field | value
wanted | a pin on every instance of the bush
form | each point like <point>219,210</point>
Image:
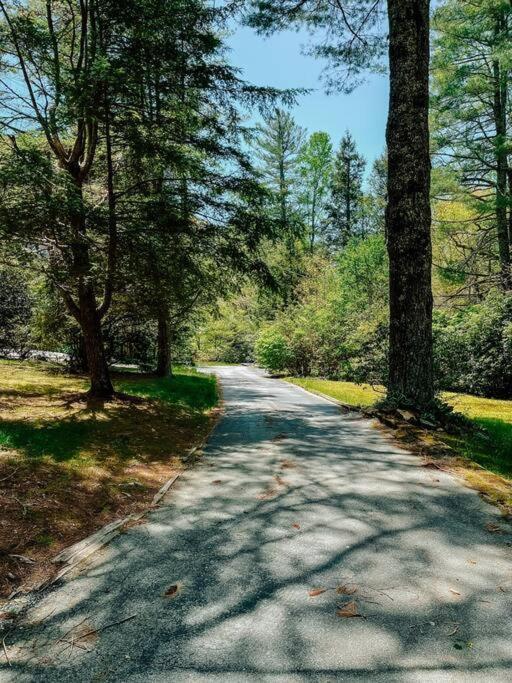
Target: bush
<point>473,348</point>
<point>273,351</point>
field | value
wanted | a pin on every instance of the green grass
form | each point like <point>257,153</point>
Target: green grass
<point>491,449</point>
<point>187,388</point>
<point>357,395</point>
<point>37,421</point>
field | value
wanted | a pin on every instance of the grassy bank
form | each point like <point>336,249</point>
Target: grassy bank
<point>67,468</point>
<point>491,449</point>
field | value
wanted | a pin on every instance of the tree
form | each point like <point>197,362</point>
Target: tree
<point>472,115</point>
<point>351,40</point>
<point>378,194</point>
<point>124,131</point>
<point>278,144</point>
<point>55,57</point>
<point>346,190</point>
<point>315,162</point>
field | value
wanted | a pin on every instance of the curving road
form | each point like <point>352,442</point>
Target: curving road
<point>291,496</point>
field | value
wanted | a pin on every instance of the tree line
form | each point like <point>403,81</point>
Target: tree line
<point>133,198</point>
<point>333,319</point>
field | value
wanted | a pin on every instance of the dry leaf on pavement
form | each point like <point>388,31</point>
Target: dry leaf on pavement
<point>316,591</point>
<point>349,610</point>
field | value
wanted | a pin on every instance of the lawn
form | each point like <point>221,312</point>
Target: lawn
<point>490,448</point>
<point>68,467</point>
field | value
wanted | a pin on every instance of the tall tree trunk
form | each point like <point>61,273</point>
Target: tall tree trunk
<point>163,365</point>
<point>86,310</point>
<point>408,215</point>
<point>500,116</point>
<point>90,322</point>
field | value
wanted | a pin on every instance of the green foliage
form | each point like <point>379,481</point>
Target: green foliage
<point>315,169</point>
<point>345,211</point>
<point>15,312</point>
<point>473,347</point>
<point>336,325</point>
<point>272,351</point>
<point>277,146</point>
<point>227,334</point>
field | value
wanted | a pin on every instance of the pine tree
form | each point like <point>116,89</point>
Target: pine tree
<point>278,144</point>
<point>472,114</point>
<point>346,193</point>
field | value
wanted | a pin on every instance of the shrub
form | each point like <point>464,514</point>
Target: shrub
<point>273,351</point>
<point>15,313</point>
<point>473,347</point>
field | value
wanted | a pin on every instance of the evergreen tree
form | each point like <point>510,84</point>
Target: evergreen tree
<point>315,163</point>
<point>278,144</point>
<point>378,194</point>
<point>346,193</point>
<point>472,115</point>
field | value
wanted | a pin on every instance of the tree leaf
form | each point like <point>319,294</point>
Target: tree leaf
<point>172,591</point>
<point>316,591</point>
<point>349,610</point>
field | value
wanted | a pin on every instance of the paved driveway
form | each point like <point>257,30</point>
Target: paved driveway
<point>291,496</point>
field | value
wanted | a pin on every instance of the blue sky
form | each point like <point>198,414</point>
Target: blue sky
<point>277,61</point>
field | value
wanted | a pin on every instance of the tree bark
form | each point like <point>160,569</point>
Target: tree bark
<point>163,365</point>
<point>500,116</point>
<point>408,214</point>
<point>86,310</point>
<point>90,321</point>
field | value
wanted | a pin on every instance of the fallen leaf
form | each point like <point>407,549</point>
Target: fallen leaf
<point>452,590</point>
<point>172,591</point>
<point>316,591</point>
<point>349,610</point>
<point>217,481</point>
<point>493,528</point>
<point>287,464</point>
<point>472,561</point>
<point>279,480</point>
<point>346,589</point>
<point>296,526</point>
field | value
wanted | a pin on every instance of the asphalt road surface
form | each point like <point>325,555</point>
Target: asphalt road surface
<point>291,496</point>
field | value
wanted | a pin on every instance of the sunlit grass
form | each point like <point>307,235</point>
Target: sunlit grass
<point>357,395</point>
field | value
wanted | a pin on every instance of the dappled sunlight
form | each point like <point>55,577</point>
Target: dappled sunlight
<point>342,511</point>
<point>70,465</point>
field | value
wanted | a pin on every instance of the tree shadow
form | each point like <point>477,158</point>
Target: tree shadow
<point>433,585</point>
